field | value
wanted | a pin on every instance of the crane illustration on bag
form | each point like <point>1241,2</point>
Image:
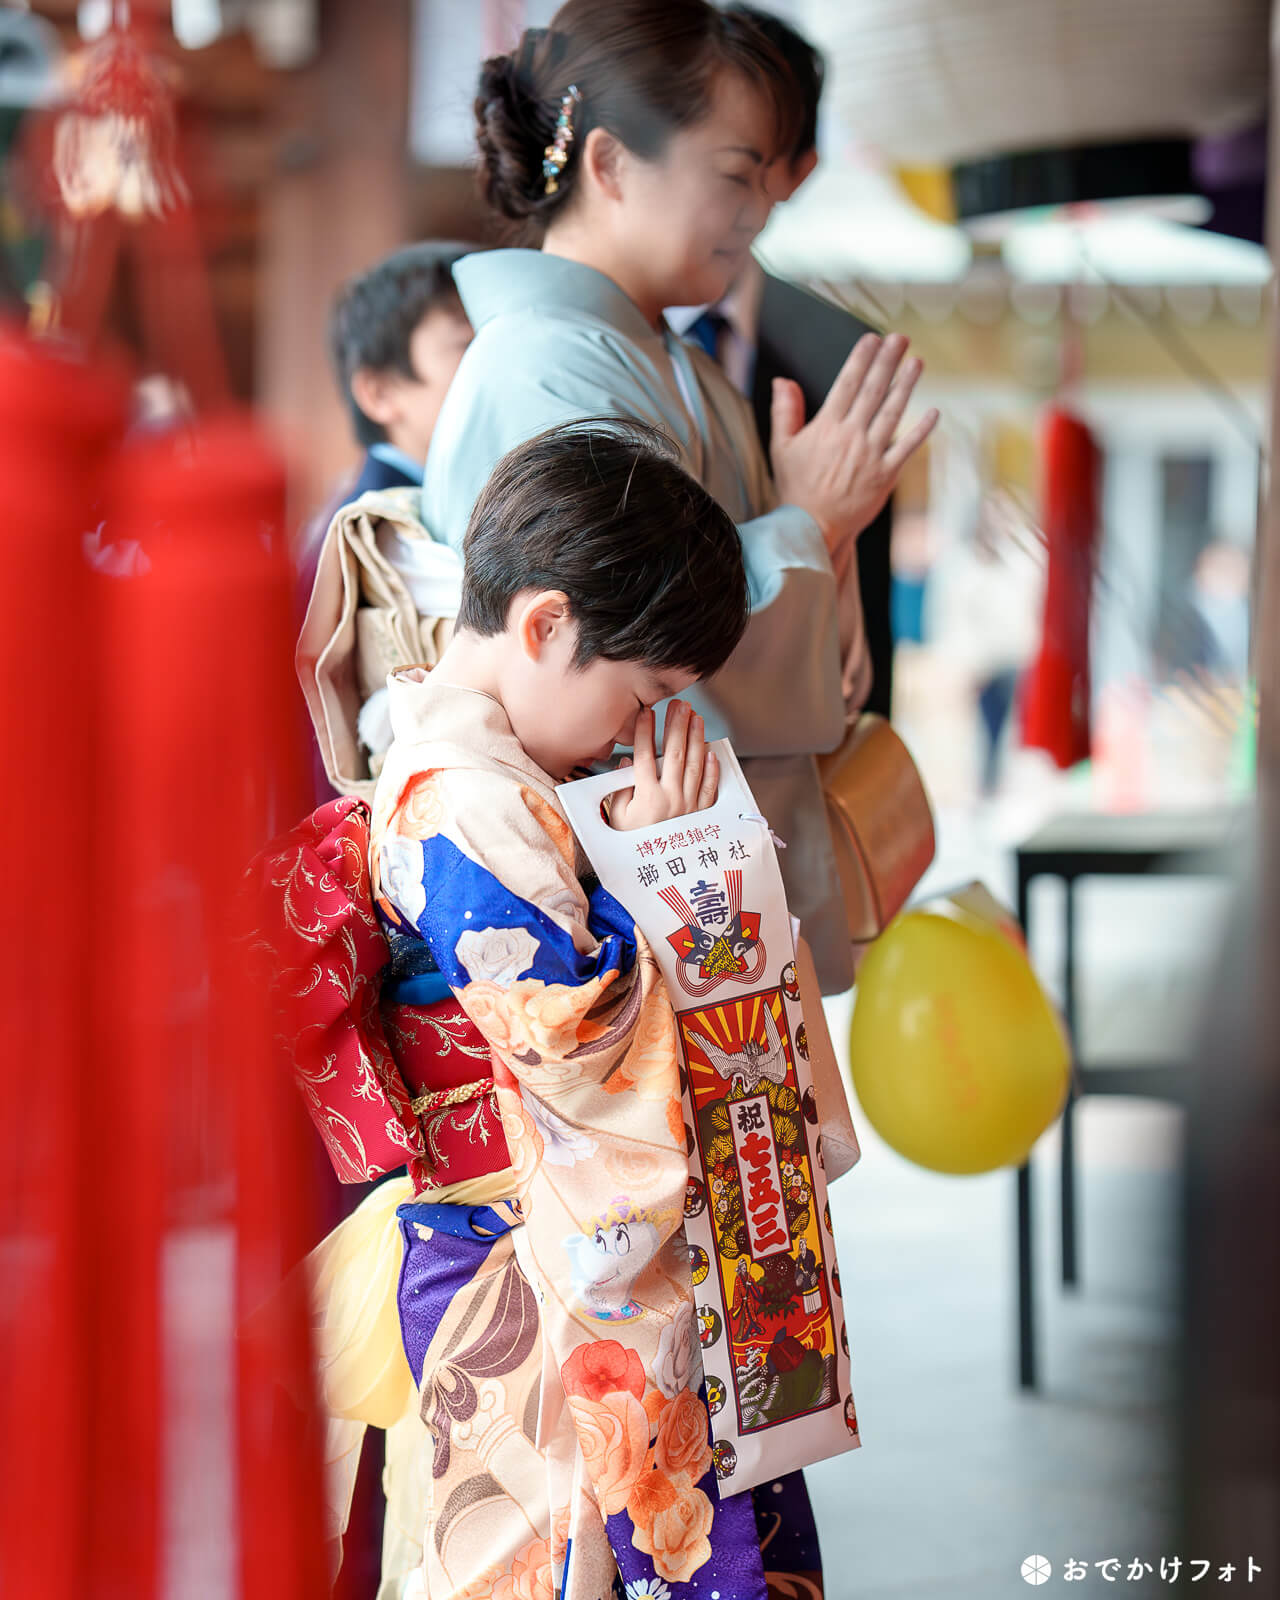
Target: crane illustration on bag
<point>743,1069</point>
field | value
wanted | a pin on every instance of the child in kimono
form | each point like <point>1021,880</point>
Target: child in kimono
<point>553,1332</point>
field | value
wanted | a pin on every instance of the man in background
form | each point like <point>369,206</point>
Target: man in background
<point>765,328</point>
<point>396,336</point>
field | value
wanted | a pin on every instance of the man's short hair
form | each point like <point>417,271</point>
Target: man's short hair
<point>805,63</point>
<point>376,313</point>
<point>602,510</point>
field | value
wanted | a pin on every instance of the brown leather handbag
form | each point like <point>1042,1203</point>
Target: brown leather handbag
<point>881,824</point>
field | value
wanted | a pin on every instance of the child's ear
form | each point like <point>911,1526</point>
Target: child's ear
<point>374,393</point>
<point>542,620</point>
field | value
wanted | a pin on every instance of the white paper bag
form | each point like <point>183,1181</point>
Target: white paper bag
<point>706,892</point>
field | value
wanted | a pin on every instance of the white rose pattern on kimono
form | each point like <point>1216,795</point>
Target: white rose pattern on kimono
<point>678,1364</point>
<point>400,868</point>
<point>562,1145</point>
<point>498,955</point>
<point>565,904</point>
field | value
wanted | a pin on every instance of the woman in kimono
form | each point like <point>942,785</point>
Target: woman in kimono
<point>636,139</point>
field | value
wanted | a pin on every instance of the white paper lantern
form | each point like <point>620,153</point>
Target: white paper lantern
<point>940,81</point>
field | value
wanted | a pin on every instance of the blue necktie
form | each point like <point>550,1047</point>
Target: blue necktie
<point>705,330</point>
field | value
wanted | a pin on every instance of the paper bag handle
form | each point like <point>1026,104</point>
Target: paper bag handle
<point>583,809</point>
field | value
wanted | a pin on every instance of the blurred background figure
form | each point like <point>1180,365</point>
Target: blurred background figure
<point>913,554</point>
<point>987,622</point>
<point>1219,598</point>
<point>397,334</point>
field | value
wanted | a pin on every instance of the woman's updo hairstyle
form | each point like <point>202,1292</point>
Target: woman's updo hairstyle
<point>644,69</point>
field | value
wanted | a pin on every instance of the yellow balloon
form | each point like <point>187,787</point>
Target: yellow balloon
<point>959,1060</point>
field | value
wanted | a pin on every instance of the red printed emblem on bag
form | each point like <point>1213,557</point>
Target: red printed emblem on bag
<point>716,938</point>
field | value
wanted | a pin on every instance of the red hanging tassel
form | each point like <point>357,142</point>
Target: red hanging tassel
<point>108,170</point>
<point>58,423</point>
<point>1056,692</point>
<point>200,764</point>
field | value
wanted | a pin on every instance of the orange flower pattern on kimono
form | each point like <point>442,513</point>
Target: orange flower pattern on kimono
<point>672,1520</point>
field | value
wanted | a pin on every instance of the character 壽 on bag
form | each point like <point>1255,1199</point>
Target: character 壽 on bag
<point>707,893</point>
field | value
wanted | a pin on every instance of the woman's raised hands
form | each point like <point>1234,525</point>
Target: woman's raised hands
<point>842,465</point>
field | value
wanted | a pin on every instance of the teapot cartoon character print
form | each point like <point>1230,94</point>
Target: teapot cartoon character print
<point>608,1257</point>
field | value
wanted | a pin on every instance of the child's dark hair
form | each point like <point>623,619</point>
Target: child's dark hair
<point>805,63</point>
<point>644,70</point>
<point>375,315</point>
<point>602,510</point>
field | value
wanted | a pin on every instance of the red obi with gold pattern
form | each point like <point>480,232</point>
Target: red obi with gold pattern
<point>445,1063</point>
<point>387,1086</point>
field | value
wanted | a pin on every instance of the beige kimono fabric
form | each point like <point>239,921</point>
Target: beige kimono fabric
<point>361,624</point>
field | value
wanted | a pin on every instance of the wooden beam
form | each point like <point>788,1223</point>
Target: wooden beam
<point>338,200</point>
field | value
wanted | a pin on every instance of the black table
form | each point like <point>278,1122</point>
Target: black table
<point>1088,845</point>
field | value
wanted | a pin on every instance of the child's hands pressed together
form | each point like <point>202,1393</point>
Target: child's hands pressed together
<point>690,775</point>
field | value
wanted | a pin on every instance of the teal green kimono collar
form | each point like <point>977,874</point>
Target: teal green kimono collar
<point>494,281</point>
